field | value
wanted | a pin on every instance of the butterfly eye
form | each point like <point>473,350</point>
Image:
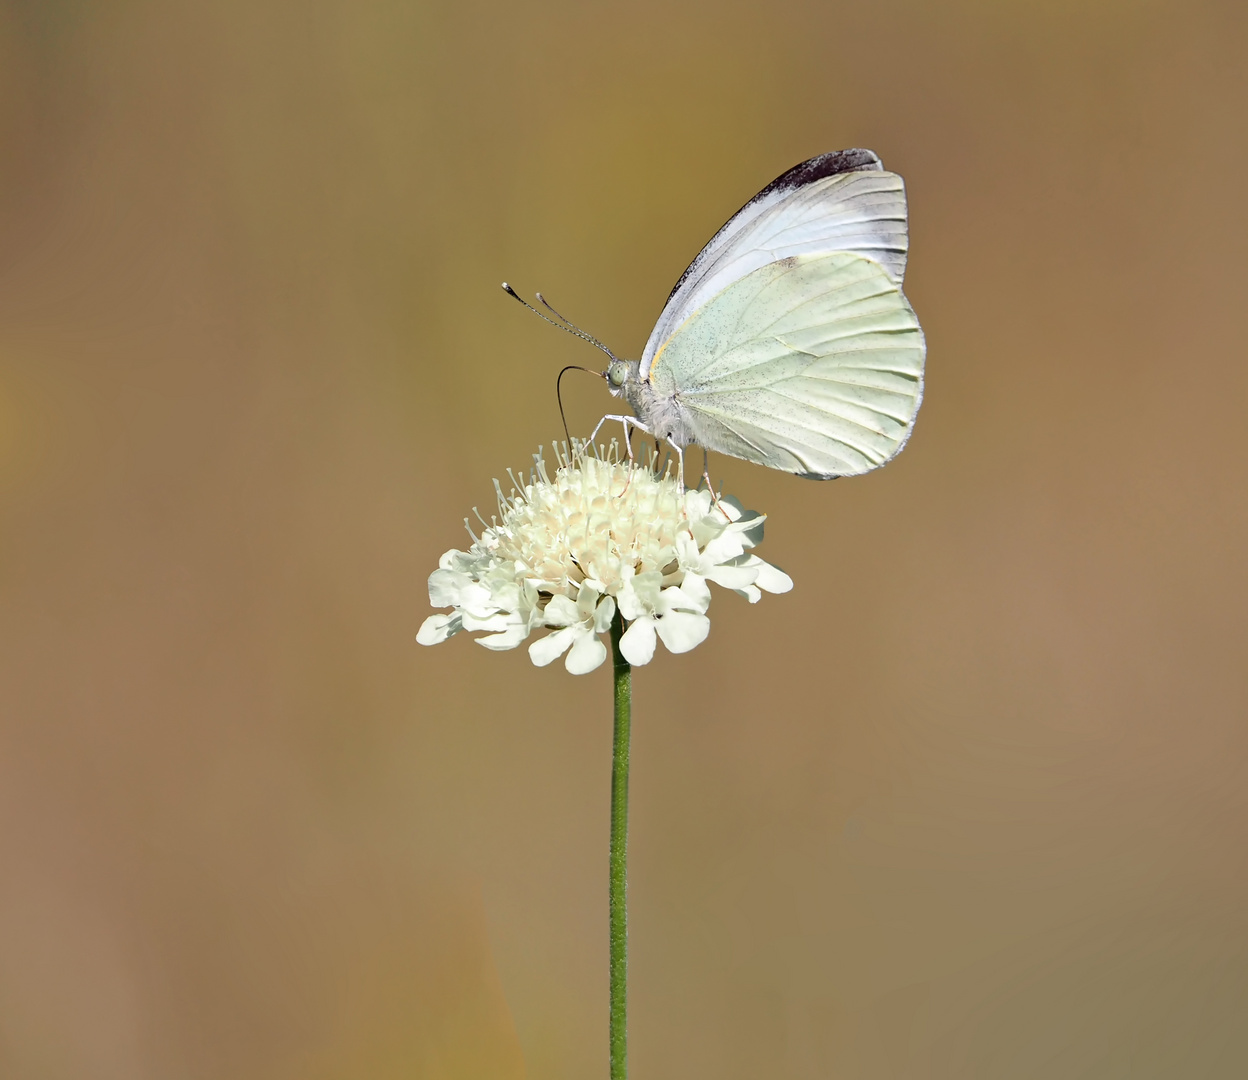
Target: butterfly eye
<point>617,373</point>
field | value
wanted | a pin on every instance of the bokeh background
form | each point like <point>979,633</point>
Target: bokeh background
<point>970,802</point>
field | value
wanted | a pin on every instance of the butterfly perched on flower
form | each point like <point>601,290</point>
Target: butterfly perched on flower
<point>788,341</point>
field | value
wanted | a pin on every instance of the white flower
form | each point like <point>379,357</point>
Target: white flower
<point>601,535</point>
<point>580,623</point>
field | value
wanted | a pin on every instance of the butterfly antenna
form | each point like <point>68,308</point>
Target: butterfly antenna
<point>559,396</point>
<point>550,307</point>
<point>563,325</point>
<point>564,319</point>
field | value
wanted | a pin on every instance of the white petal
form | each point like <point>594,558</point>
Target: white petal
<point>752,521</point>
<point>640,596</point>
<point>771,579</point>
<point>705,529</point>
<point>733,577</point>
<point>682,630</point>
<point>504,595</point>
<point>630,604</point>
<point>587,653</point>
<point>695,588</point>
<point>674,598</point>
<point>750,592</point>
<point>552,646</point>
<point>697,503</point>
<point>509,639</point>
<point>637,642</point>
<point>450,588</point>
<point>603,614</point>
<point>722,548</point>
<point>445,586</point>
<point>448,559</point>
<point>687,552</point>
<point>437,628</point>
<point>497,621</point>
<point>477,599</point>
<point>586,601</point>
<point>561,611</point>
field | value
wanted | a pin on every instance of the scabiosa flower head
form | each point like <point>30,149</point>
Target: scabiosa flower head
<point>566,552</point>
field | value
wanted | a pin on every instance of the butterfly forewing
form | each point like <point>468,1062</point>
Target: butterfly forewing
<point>808,211</point>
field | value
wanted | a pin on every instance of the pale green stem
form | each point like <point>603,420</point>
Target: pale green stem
<point>618,891</point>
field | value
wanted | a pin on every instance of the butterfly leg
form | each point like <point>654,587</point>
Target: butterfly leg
<point>680,464</point>
<point>629,423</point>
<point>598,427</point>
<point>628,447</point>
<point>706,475</point>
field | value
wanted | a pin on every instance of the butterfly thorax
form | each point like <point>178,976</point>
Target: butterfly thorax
<point>659,410</point>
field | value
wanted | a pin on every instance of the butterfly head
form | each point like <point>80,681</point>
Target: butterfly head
<point>616,375</point>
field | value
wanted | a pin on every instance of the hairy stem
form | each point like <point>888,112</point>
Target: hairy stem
<point>618,891</point>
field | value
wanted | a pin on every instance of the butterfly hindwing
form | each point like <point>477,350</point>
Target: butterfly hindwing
<point>812,364</point>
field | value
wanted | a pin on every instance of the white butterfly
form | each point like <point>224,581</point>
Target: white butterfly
<point>788,341</point>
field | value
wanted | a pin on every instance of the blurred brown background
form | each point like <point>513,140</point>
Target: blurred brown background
<point>969,803</point>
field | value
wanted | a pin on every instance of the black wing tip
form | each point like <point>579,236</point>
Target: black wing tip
<point>829,164</point>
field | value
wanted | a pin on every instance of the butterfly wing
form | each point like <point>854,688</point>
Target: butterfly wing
<point>842,201</point>
<point>812,364</point>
